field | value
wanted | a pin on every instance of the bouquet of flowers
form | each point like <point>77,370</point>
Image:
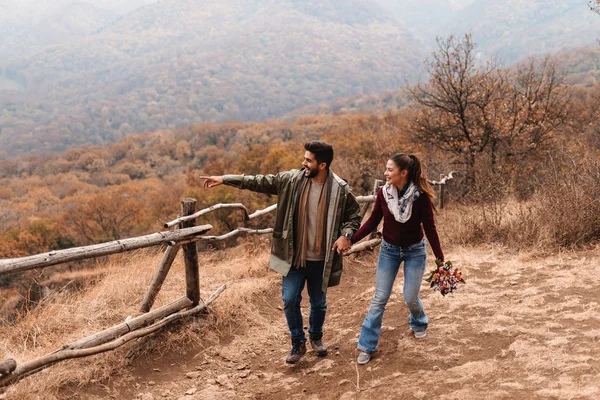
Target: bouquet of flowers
<point>444,278</point>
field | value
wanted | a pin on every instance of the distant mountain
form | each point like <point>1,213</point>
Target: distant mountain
<point>28,25</point>
<point>580,67</point>
<point>179,62</point>
<point>514,29</point>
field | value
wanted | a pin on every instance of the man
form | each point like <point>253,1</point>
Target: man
<point>316,217</point>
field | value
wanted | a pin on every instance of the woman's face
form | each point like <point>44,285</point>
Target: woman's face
<point>395,176</point>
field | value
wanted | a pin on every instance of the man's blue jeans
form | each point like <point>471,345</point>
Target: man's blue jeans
<point>390,257</point>
<point>291,292</point>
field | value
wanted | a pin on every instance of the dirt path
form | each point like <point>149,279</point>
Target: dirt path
<point>522,328</point>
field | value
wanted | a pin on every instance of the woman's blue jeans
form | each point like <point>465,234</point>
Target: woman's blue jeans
<point>390,257</point>
<point>291,293</point>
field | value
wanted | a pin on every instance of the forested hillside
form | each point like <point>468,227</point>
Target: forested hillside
<point>93,72</point>
<point>181,62</point>
<point>101,193</point>
<point>580,68</point>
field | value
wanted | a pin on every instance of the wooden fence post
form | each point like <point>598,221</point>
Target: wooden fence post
<point>159,277</point>
<point>442,187</point>
<point>190,253</point>
<point>365,207</point>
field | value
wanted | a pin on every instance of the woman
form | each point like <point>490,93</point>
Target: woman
<point>404,203</point>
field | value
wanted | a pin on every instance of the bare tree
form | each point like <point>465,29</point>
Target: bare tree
<point>458,102</point>
<point>468,110</point>
<point>535,103</point>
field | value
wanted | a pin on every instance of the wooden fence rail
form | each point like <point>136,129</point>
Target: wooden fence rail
<point>132,328</point>
<point>13,265</point>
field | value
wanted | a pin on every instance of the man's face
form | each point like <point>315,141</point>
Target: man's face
<point>311,165</point>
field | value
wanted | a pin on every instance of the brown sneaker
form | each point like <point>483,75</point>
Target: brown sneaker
<point>298,350</point>
<point>318,346</point>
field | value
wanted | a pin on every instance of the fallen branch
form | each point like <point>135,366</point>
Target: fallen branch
<point>129,325</point>
<point>255,214</point>
<point>237,232</point>
<point>43,362</point>
<point>262,212</point>
<point>206,211</point>
<point>357,377</point>
<point>359,199</point>
<point>368,245</point>
<point>366,199</point>
<point>444,179</point>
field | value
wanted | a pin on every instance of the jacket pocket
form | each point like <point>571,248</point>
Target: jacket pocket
<point>280,245</point>
<point>336,271</point>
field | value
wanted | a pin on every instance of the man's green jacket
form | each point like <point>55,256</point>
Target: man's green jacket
<point>343,216</point>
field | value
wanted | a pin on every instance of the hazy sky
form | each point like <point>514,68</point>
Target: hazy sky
<point>25,12</point>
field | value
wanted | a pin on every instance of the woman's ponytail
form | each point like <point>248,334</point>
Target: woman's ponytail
<point>416,174</point>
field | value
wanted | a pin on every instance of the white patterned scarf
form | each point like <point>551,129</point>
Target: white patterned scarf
<point>401,208</point>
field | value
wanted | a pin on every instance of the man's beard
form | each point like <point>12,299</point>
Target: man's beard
<point>312,173</point>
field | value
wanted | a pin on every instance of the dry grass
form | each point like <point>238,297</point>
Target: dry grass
<point>67,317</point>
<point>563,213</point>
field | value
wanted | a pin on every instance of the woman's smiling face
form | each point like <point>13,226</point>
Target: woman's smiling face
<point>395,176</point>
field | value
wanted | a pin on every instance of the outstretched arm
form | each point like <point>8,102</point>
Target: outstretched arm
<point>256,183</point>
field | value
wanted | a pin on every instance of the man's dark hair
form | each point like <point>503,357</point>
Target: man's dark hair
<point>323,151</point>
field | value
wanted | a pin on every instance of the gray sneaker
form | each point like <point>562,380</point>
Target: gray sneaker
<point>420,334</point>
<point>363,358</point>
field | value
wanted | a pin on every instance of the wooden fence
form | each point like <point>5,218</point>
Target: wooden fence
<point>185,236</point>
<point>149,321</point>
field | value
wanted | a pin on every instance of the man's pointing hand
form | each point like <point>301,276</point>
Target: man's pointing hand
<point>211,181</point>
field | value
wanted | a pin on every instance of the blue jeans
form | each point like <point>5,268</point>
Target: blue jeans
<point>291,293</point>
<point>390,257</point>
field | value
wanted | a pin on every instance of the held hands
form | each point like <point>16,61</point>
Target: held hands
<point>342,244</point>
<point>211,181</point>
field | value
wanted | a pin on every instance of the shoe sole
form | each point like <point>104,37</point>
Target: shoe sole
<point>363,362</point>
<point>293,362</point>
<point>420,336</point>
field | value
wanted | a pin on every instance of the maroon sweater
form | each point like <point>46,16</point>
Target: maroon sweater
<point>408,233</point>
